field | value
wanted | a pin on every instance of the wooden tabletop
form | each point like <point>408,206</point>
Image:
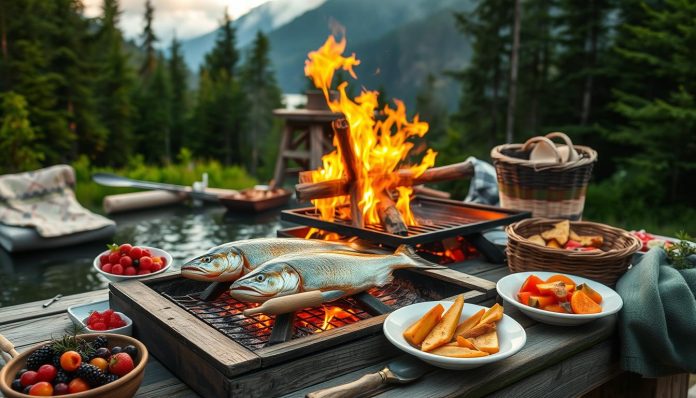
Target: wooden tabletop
<point>556,361</point>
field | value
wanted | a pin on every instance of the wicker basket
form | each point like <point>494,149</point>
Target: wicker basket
<point>553,189</point>
<point>605,266</point>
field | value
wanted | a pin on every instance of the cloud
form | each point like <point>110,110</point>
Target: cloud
<point>185,18</point>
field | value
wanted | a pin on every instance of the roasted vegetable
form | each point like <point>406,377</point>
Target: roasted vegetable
<point>417,332</point>
<point>455,351</point>
<point>466,343</point>
<point>470,322</point>
<point>494,314</point>
<point>590,292</point>
<point>581,303</point>
<point>541,301</point>
<point>559,233</point>
<point>478,330</point>
<point>530,284</point>
<point>442,332</point>
<point>487,342</point>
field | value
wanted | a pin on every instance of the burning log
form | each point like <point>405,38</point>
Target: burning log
<point>331,188</point>
<point>355,184</point>
<point>390,215</point>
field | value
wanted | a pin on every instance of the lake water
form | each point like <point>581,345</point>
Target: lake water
<point>183,231</point>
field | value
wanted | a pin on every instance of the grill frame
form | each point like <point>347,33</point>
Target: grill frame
<point>468,220</point>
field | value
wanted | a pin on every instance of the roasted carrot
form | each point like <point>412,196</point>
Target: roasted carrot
<point>581,303</point>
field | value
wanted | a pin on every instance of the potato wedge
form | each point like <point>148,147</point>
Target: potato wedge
<point>537,240</point>
<point>458,352</point>
<point>417,332</point>
<point>478,330</point>
<point>494,314</point>
<point>487,342</point>
<point>560,232</point>
<point>442,332</point>
<point>469,322</point>
<point>466,343</point>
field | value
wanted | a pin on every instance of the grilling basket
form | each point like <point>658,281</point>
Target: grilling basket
<point>548,179</point>
<point>605,265</point>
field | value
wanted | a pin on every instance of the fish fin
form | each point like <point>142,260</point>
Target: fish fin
<point>417,261</point>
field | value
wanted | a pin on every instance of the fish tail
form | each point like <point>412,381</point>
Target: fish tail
<point>416,261</point>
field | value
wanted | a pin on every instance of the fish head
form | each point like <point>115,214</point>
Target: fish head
<point>266,282</point>
<point>222,266</point>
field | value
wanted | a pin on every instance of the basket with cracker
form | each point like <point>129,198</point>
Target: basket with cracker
<point>588,249</point>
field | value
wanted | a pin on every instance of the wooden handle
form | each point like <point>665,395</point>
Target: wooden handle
<point>352,389</point>
<point>7,346</point>
<point>572,154</point>
<point>285,304</point>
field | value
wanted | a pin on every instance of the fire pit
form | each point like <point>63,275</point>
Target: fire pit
<point>218,351</point>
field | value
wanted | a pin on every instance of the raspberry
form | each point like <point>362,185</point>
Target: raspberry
<point>126,261</point>
<point>104,259</point>
<point>106,268</point>
<point>98,326</point>
<point>125,248</point>
<point>129,271</point>
<point>114,257</point>
<point>155,267</point>
<point>107,313</point>
<point>164,260</point>
<point>136,253</point>
<point>117,269</point>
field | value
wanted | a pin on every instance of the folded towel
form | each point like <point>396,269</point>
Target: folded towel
<point>44,199</point>
<point>657,324</point>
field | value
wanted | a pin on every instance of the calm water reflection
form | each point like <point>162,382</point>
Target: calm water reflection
<point>183,231</point>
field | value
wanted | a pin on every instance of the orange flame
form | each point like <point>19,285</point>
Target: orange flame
<point>381,146</point>
<point>332,312</point>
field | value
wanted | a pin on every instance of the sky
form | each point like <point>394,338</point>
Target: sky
<point>185,18</point>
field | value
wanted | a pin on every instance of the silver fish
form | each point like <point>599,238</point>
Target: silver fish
<point>325,271</point>
<point>226,263</point>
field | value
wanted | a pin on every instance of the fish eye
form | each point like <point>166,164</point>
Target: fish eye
<point>205,259</point>
<point>260,278</point>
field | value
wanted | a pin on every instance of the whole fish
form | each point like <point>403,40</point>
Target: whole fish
<point>226,263</point>
<point>326,271</point>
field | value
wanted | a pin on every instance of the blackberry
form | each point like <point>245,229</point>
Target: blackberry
<point>17,385</point>
<point>100,342</point>
<point>110,378</point>
<point>91,374</point>
<point>56,360</point>
<point>39,357</point>
<point>62,377</point>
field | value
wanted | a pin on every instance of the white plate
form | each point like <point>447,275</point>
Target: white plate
<point>511,335</point>
<point>118,278</point>
<point>78,314</point>
<point>509,286</point>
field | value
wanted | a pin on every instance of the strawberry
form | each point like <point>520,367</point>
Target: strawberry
<point>106,268</point>
<point>120,364</point>
<point>136,253</point>
<point>114,257</point>
<point>155,267</point>
<point>117,269</point>
<point>145,263</point>
<point>129,271</point>
<point>114,320</point>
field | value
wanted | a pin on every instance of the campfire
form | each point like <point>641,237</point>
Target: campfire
<point>370,176</point>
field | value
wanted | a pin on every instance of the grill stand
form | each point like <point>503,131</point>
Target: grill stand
<point>283,328</point>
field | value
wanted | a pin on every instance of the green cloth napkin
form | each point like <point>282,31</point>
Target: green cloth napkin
<point>657,324</point>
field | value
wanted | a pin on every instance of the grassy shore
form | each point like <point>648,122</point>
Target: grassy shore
<point>185,172</point>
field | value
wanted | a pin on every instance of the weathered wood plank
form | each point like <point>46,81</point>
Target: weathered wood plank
<point>546,346</point>
<point>35,309</point>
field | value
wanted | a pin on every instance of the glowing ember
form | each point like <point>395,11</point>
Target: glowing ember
<point>382,146</point>
<point>331,312</point>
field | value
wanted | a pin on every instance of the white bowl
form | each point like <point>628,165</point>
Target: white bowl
<point>79,313</point>
<point>118,278</point>
<point>509,286</point>
<point>511,335</point>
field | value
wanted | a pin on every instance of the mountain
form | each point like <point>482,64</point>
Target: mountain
<point>265,18</point>
<point>397,45</point>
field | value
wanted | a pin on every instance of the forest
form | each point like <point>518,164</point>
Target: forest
<point>616,75</point>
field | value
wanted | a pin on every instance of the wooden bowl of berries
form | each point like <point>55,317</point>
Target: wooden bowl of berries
<point>124,262</point>
<point>82,366</point>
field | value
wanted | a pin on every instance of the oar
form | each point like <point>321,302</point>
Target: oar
<point>113,180</point>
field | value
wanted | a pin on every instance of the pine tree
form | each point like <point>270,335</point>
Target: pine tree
<point>262,96</point>
<point>149,40</point>
<point>222,60</point>
<point>178,74</point>
<point>431,109</point>
<point>17,136</point>
<point>660,112</point>
<point>113,87</point>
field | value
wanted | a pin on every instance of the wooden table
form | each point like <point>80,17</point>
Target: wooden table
<point>556,361</point>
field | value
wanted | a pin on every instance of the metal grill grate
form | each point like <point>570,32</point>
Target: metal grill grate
<point>438,219</point>
<point>226,314</point>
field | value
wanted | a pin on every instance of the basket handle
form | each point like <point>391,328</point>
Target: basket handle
<point>7,347</point>
<point>534,140</point>
<point>572,153</point>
